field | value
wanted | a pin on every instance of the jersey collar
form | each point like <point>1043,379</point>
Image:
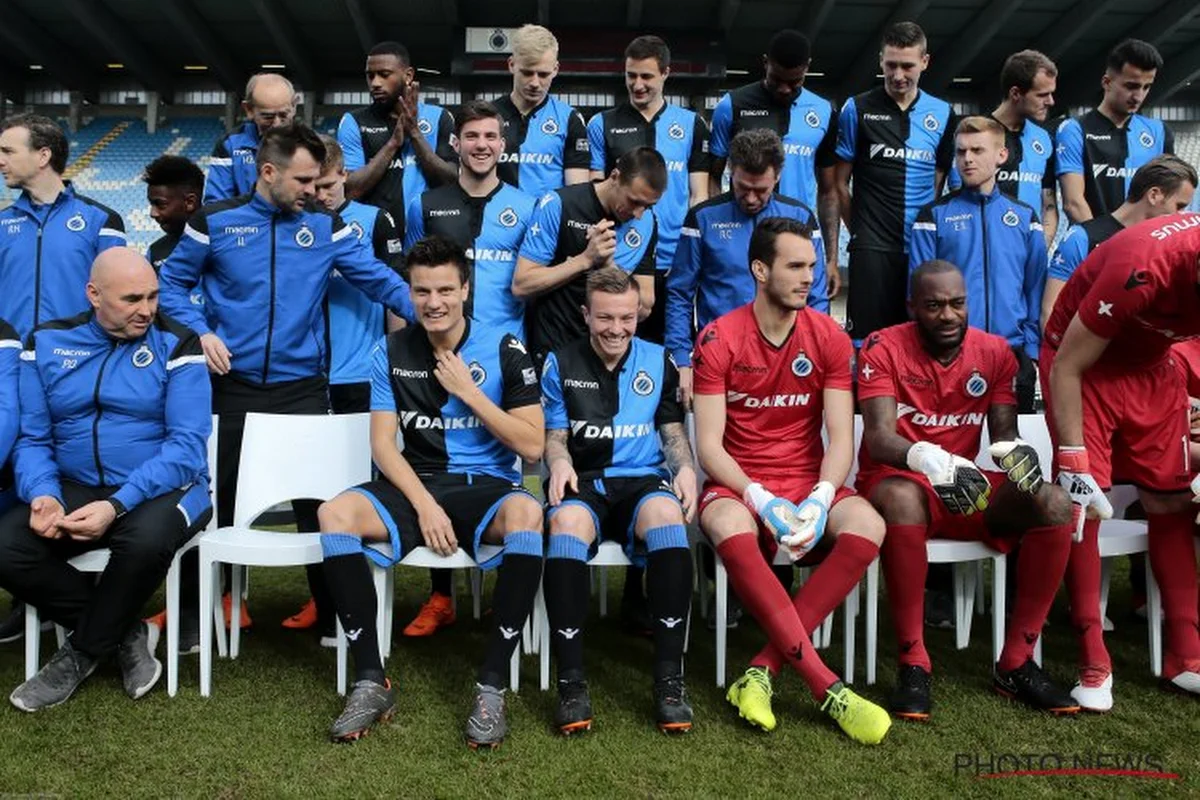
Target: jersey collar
<point>466,334</point>
<point>598,362</point>
<point>627,108</point>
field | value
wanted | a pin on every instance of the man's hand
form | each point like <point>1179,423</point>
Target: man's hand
<point>89,522</point>
<point>601,242</point>
<point>562,475</point>
<point>685,387</point>
<point>1020,461</point>
<point>1075,476</point>
<point>436,529</point>
<point>777,514</point>
<point>216,354</point>
<point>406,108</point>
<point>454,376</point>
<point>811,515</point>
<point>45,513</point>
<point>833,278</point>
<point>958,482</point>
<point>684,486</point>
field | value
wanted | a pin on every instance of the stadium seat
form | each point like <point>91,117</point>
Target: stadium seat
<point>284,457</point>
<point>95,561</point>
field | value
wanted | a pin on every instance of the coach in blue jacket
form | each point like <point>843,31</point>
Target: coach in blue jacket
<point>997,242</point>
<point>709,277</point>
<point>266,262</point>
<point>112,453</point>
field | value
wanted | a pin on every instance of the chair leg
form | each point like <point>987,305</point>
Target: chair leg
<point>476,577</point>
<point>849,624</point>
<point>33,641</point>
<point>235,611</point>
<point>962,634</point>
<point>340,634</point>
<point>872,619</point>
<point>980,606</point>
<point>384,633</point>
<point>172,654</point>
<point>208,579</point>
<point>217,614</point>
<point>722,592</point>
<point>1105,583</point>
<point>1154,621</point>
<point>514,670</point>
<point>544,641</point>
<point>389,616</point>
<point>999,586</point>
<point>603,591</point>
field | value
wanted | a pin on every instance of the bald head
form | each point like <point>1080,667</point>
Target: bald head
<point>270,100</point>
<point>123,291</point>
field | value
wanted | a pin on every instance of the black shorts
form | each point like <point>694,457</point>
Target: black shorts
<point>877,294</point>
<point>350,398</point>
<point>470,501</point>
<point>614,504</point>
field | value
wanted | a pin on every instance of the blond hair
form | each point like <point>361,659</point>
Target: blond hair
<point>531,42</point>
<point>980,124</point>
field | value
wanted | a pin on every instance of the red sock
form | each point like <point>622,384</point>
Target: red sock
<point>1173,559</point>
<point>826,588</point>
<point>768,603</point>
<point>1083,587</point>
<point>1040,568</point>
<point>905,566</point>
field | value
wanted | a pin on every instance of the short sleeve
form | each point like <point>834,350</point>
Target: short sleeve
<point>350,139</point>
<point>541,237</point>
<point>1068,149</point>
<point>876,372</point>
<point>414,223</point>
<point>1048,176</point>
<point>826,155</point>
<point>698,159</point>
<point>595,131</point>
<point>518,374</point>
<point>386,240</point>
<point>444,146</point>
<point>710,361</point>
<point>1168,138</point>
<point>553,406</point>
<point>646,265</point>
<point>838,354</point>
<point>669,408</point>
<point>1004,376</point>
<point>847,135</point>
<point>577,151</point>
<point>382,398</point>
<point>1108,304</point>
<point>722,128</point>
<point>945,148</point>
<point>1069,255</point>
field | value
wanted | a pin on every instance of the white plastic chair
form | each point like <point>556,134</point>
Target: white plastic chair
<point>95,561</point>
<point>284,457</point>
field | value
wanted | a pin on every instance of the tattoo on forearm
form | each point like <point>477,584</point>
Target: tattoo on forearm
<point>676,448</point>
<point>556,446</point>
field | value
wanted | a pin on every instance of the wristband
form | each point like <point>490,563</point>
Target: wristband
<point>1072,459</point>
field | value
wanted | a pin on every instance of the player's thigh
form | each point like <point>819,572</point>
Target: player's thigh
<point>1011,511</point>
<point>517,510</point>
<point>1152,442</point>
<point>900,500</point>
<point>656,510</point>
<point>854,515</point>
<point>722,516</point>
<point>353,511</point>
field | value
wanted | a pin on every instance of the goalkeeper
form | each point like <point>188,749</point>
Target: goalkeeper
<point>926,388</point>
<point>766,375</point>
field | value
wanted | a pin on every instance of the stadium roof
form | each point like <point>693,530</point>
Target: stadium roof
<point>82,44</point>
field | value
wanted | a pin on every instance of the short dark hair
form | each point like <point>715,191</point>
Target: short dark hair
<point>645,163</point>
<point>437,251</point>
<point>475,110</point>
<point>43,133</point>
<point>280,144</point>
<point>762,240</point>
<point>755,150</point>
<point>1021,68</point>
<point>789,49</point>
<point>175,172</point>
<point>904,34</point>
<point>390,48</point>
<point>608,280</point>
<point>649,47</point>
<point>1142,55</point>
<point>1166,172</point>
<point>936,266</point>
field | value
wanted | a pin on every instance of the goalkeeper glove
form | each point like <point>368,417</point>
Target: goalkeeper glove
<point>1075,477</point>
<point>1020,461</point>
<point>958,482</point>
<point>777,514</point>
<point>812,515</point>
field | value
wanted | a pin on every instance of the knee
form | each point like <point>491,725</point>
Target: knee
<point>574,521</point>
<point>150,545</point>
<point>1054,505</point>
<point>658,512</point>
<point>521,513</point>
<point>335,515</point>
<point>899,502</point>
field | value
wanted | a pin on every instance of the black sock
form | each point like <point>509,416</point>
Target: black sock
<point>441,581</point>
<point>565,587</point>
<point>319,588</point>
<point>669,569</point>
<point>352,591</point>
<point>634,593</point>
<point>517,583</point>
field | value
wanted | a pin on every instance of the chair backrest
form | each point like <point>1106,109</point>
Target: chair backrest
<point>299,456</point>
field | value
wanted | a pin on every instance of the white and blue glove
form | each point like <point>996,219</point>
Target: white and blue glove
<point>1075,476</point>
<point>960,485</point>
<point>777,514</point>
<point>812,515</point>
